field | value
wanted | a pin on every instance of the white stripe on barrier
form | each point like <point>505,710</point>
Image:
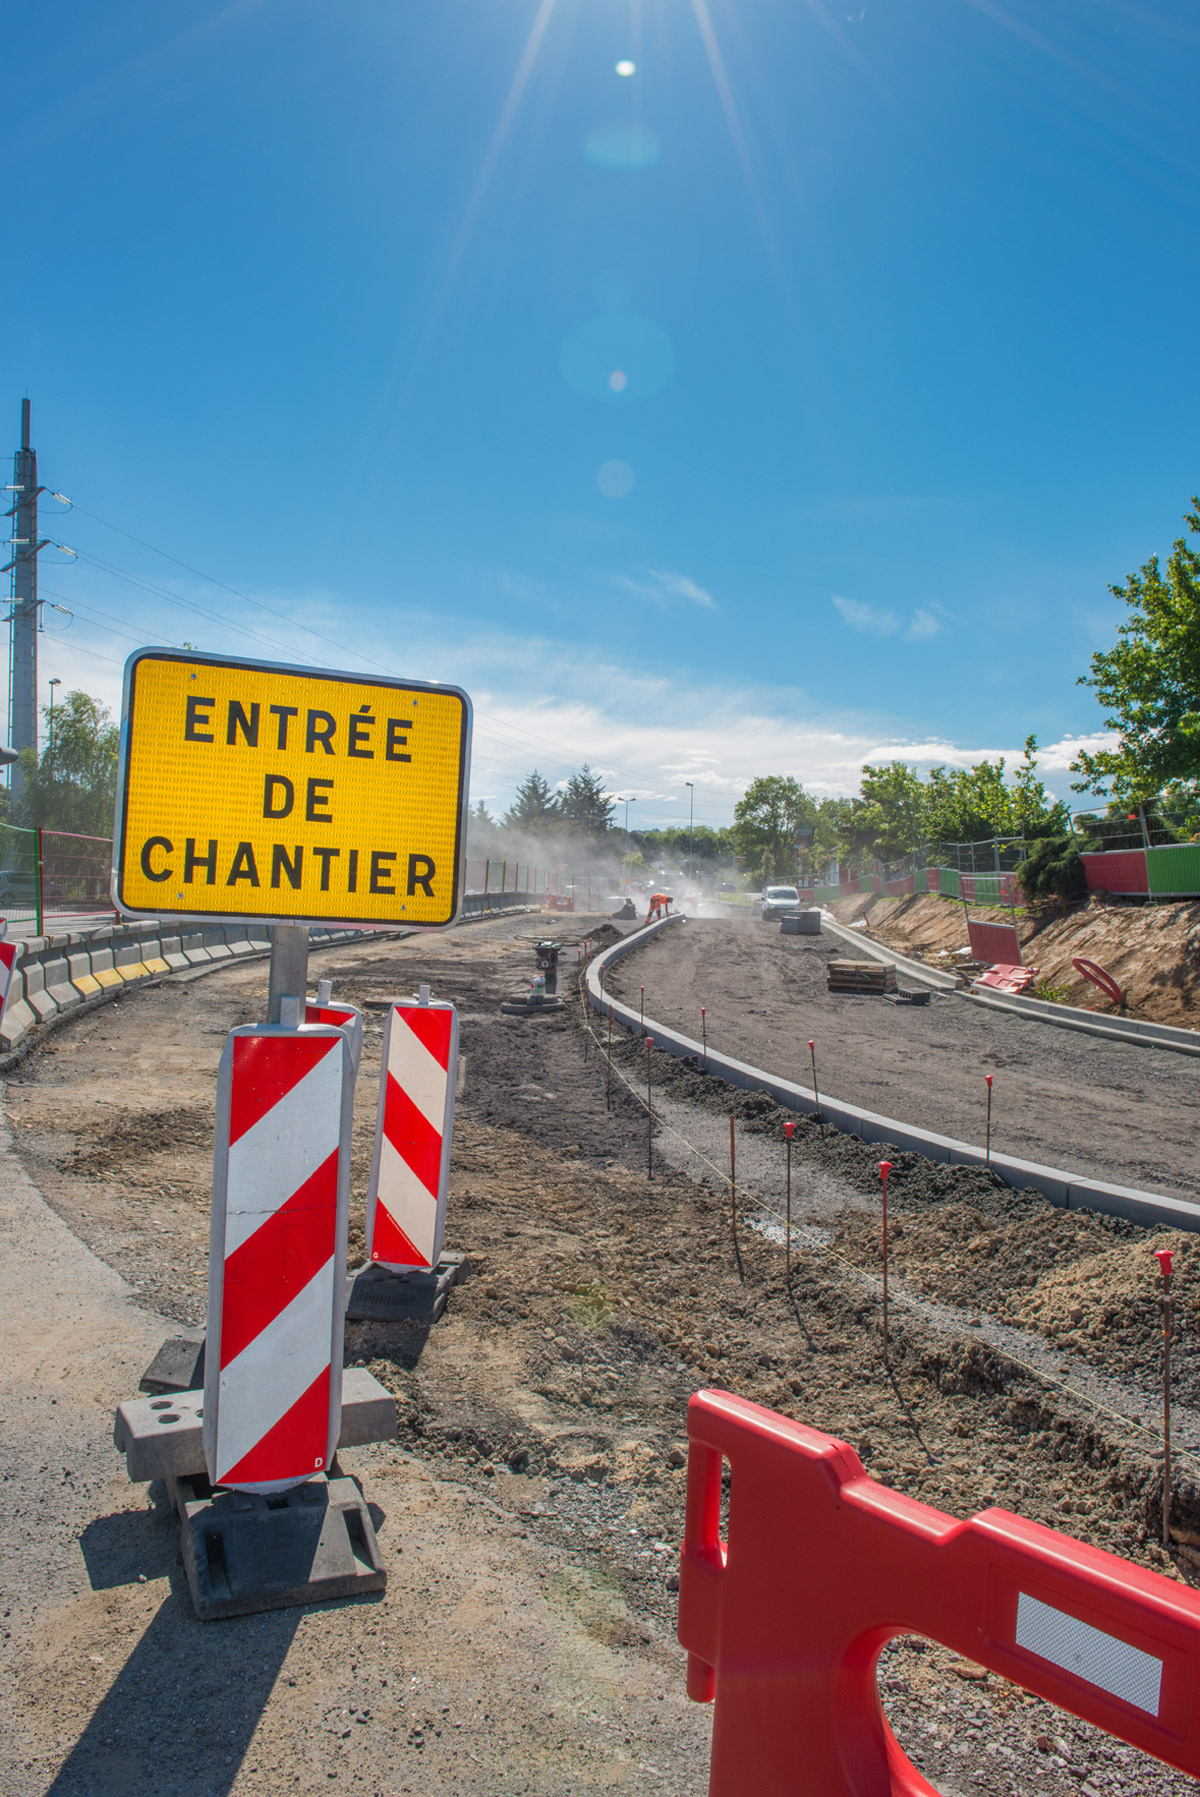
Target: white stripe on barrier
<point>406,1195</point>
<point>424,1079</point>
<point>282,1150</point>
<point>1104,1660</point>
<point>276,1369</point>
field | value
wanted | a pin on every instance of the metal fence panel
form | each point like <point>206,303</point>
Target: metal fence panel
<point>18,874</point>
<point>75,873</point>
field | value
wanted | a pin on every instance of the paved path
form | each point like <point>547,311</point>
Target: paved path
<point>488,1666</point>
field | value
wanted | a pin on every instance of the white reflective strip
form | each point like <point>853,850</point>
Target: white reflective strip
<point>1089,1653</point>
<point>283,1149</point>
<point>273,1370</point>
<point>405,1199</point>
<point>417,1073</point>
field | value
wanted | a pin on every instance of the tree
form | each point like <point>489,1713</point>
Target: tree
<point>584,806</point>
<point>1149,681</point>
<point>534,808</point>
<point>889,817</point>
<point>73,784</point>
<point>1034,813</point>
<point>483,834</point>
<point>766,819</point>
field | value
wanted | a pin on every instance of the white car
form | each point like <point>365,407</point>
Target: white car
<point>779,901</point>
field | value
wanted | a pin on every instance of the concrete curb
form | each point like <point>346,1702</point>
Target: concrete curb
<point>1092,1023</point>
<point>1038,1010</point>
<point>1069,1191</point>
<point>55,976</point>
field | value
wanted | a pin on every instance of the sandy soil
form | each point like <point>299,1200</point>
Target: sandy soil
<point>1074,1101</point>
<point>1153,951</point>
<point>533,1501</point>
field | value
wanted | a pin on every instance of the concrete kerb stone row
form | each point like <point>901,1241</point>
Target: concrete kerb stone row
<point>1064,1189</point>
<point>1039,1010</point>
<point>55,975</point>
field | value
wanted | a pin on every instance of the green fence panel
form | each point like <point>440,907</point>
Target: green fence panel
<point>827,895</point>
<point>921,880</point>
<point>1174,871</point>
<point>18,874</point>
<point>949,883</point>
<point>989,890</point>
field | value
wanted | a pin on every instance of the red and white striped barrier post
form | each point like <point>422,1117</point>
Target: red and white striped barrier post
<point>410,1172</point>
<point>8,960</point>
<point>342,1017</point>
<point>277,1256</point>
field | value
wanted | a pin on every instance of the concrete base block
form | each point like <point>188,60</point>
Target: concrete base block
<point>531,1007</point>
<point>244,1554</point>
<point>803,923</point>
<point>161,1437</point>
<point>178,1366</point>
<point>378,1295</point>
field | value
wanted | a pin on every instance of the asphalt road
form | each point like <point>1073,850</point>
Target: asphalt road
<point>1129,1114</point>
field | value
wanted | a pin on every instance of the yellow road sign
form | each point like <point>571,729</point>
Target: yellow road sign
<point>256,791</point>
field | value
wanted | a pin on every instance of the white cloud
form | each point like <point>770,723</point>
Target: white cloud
<point>868,619</point>
<point>923,626</point>
<point>667,589</point>
<point>549,704</point>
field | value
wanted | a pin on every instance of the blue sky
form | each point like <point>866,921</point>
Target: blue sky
<point>787,403</point>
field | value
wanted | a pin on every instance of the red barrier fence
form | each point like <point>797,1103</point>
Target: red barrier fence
<point>994,942</point>
<point>784,1622</point>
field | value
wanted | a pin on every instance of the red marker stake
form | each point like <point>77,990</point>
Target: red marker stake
<point>1163,1257</point>
<point>789,1130</point>
<point>812,1049</point>
<point>704,1034</point>
<point>732,1182</point>
<point>649,1115</point>
<point>987,1153</point>
<point>885,1168</point>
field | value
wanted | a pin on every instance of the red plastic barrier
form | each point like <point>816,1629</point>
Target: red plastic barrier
<point>1013,979</point>
<point>556,902</point>
<point>1099,976</point>
<point>994,942</point>
<point>784,1624</point>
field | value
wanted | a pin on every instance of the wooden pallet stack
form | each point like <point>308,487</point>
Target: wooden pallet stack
<point>871,978</point>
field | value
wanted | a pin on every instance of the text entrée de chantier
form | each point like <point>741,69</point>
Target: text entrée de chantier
<point>244,726</point>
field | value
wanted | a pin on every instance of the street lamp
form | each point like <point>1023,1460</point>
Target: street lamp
<point>691,827</point>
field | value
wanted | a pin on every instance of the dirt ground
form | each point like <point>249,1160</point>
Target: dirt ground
<point>1126,1113</point>
<point>533,1499</point>
<point>1153,951</point>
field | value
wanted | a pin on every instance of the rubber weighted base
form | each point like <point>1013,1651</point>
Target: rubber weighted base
<point>379,1295</point>
<point>531,1007</point>
<point>243,1554</point>
<point>178,1366</point>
